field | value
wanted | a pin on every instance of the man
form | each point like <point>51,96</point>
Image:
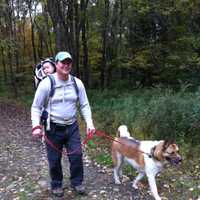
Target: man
<point>62,129</point>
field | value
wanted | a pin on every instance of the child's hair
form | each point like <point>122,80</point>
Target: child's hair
<point>39,72</point>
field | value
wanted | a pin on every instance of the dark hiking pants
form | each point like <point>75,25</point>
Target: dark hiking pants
<point>67,136</point>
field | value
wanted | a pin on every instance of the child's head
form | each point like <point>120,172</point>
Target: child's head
<point>43,69</point>
<point>48,66</point>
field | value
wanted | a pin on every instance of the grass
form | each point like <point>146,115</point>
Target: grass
<point>104,159</point>
<point>152,113</point>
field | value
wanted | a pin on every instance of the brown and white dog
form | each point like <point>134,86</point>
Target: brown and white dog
<point>147,157</point>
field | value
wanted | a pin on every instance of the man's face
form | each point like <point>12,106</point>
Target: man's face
<point>64,67</point>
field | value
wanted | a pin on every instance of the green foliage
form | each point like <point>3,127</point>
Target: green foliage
<point>172,116</point>
<point>157,41</point>
<point>153,114</point>
<point>104,159</point>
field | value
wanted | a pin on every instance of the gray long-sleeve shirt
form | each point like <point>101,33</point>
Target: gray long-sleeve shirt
<point>62,107</point>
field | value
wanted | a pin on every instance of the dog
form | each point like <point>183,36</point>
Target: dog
<point>147,157</point>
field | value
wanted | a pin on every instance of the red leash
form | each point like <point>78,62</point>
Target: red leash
<point>85,141</point>
<point>102,134</point>
<point>52,145</point>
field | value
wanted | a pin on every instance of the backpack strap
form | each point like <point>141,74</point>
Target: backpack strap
<point>53,83</point>
<point>76,86</point>
<point>52,91</point>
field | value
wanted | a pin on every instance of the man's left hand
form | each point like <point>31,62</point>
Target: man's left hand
<point>90,132</point>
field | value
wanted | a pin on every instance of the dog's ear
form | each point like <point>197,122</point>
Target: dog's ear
<point>167,142</point>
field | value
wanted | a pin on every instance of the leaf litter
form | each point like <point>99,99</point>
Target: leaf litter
<point>24,169</point>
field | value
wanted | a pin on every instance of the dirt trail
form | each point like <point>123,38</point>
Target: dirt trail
<point>24,169</point>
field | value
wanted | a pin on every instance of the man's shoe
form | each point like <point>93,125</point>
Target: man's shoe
<point>57,192</point>
<point>79,189</point>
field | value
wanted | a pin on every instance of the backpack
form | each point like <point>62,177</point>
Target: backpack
<point>44,115</point>
<point>39,72</point>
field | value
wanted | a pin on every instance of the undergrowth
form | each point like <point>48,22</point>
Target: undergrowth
<point>149,113</point>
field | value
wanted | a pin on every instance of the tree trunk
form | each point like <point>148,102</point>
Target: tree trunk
<point>49,40</point>
<point>10,50</point>
<point>104,47</point>
<point>77,34</point>
<point>55,10</point>
<point>4,66</point>
<point>84,42</point>
<point>16,49</point>
<point>32,34</point>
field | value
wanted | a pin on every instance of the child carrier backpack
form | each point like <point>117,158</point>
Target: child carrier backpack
<point>44,115</point>
<point>39,72</point>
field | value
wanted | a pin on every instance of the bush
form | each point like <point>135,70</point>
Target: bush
<point>150,113</point>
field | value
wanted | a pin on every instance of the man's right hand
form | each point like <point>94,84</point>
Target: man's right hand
<point>37,132</point>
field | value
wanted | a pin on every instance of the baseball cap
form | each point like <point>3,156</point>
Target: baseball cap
<point>62,55</point>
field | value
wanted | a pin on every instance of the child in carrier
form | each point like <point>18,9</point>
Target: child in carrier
<point>42,70</point>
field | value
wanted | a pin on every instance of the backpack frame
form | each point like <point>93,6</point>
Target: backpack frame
<point>39,73</point>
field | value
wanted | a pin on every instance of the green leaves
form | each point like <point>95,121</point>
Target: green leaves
<point>154,113</point>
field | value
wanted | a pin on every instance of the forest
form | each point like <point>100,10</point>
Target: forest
<point>132,43</point>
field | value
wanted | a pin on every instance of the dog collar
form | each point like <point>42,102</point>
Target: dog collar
<point>152,153</point>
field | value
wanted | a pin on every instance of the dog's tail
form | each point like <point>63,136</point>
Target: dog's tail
<point>123,131</point>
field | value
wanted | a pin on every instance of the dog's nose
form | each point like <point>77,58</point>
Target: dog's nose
<point>178,159</point>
